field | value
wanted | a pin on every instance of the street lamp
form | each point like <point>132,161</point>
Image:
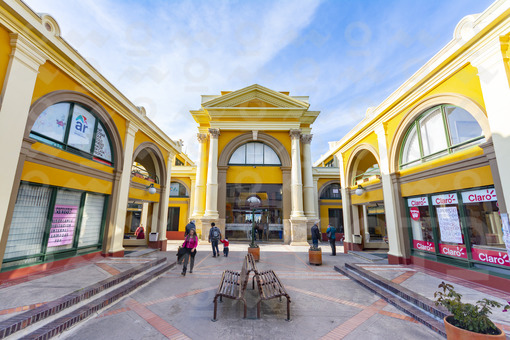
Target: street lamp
<point>360,190</point>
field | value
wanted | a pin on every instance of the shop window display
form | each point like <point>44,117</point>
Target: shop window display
<point>421,226</point>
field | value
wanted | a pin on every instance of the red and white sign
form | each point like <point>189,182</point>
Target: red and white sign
<point>486,195</point>
<point>491,256</point>
<point>415,213</point>
<point>424,245</point>
<point>417,202</point>
<point>444,199</point>
<point>457,251</point>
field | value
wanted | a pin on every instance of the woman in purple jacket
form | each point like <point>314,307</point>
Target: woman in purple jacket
<point>190,246</point>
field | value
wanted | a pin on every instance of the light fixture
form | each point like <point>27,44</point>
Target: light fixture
<point>360,190</point>
<point>151,188</point>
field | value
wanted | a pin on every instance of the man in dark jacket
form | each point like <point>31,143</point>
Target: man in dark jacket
<point>316,235</point>
<point>189,226</point>
<point>214,238</point>
<point>331,234</point>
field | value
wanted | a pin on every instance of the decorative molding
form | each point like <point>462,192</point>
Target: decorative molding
<point>306,139</point>
<point>202,137</point>
<point>157,156</point>
<point>353,156</point>
<point>24,51</point>
<point>215,133</point>
<point>255,133</point>
<point>295,134</point>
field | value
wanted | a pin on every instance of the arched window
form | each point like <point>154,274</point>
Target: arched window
<point>254,153</point>
<point>74,128</point>
<point>439,131</point>
<point>332,191</point>
<point>178,190</point>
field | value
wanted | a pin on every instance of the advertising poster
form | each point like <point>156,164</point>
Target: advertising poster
<point>506,231</point>
<point>449,224</point>
<point>62,225</point>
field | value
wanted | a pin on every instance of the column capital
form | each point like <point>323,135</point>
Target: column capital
<point>202,137</point>
<point>214,133</point>
<point>26,52</point>
<point>132,129</point>
<point>490,55</point>
<point>295,133</point>
<point>306,139</point>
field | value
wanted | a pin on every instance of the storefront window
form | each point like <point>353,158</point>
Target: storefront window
<point>421,227</point>
<point>376,223</point>
<point>451,241</point>
<point>484,226</point>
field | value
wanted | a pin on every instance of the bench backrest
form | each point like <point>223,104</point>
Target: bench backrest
<point>250,262</point>
<point>245,274</point>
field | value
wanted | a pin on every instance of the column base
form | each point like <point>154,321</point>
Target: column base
<point>205,226</point>
<point>161,245</point>
<point>392,259</point>
<point>352,246</point>
<point>299,244</point>
<point>298,233</point>
<point>118,253</point>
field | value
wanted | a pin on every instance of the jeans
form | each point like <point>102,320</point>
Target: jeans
<point>333,246</point>
<point>215,249</point>
<point>187,256</point>
<point>315,243</point>
<point>225,251</point>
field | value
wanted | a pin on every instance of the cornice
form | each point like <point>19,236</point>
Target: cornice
<point>248,125</point>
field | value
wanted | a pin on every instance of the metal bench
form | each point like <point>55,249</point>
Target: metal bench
<point>233,284</point>
<point>270,287</point>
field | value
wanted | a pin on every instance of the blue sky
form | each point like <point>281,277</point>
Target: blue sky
<point>346,55</point>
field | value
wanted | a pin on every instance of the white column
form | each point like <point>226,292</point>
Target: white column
<point>396,246</point>
<point>308,191</point>
<point>165,196</point>
<point>144,215</point>
<point>16,98</point>
<point>199,183</point>
<point>296,182</point>
<point>211,198</point>
<point>191,198</point>
<point>120,210</point>
<point>496,95</point>
<point>346,202</point>
<point>316,198</point>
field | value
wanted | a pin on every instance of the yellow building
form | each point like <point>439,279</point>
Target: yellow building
<point>83,166</point>
<point>426,169</point>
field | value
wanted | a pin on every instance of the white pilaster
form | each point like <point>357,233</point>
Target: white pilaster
<point>316,197</point>
<point>308,188</point>
<point>120,210</point>
<point>191,198</point>
<point>164,198</point>
<point>16,98</point>
<point>346,201</point>
<point>296,182</point>
<point>496,95</point>
<point>199,183</point>
<point>396,248</point>
<point>211,198</point>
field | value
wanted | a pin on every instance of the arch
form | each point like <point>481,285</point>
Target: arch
<point>274,143</point>
<point>355,157</point>
<point>447,98</point>
<point>327,184</point>
<point>157,158</point>
<point>188,190</point>
<point>77,97</point>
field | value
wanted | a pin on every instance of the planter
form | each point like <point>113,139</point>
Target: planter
<point>456,333</point>
<point>315,257</point>
<point>255,252</point>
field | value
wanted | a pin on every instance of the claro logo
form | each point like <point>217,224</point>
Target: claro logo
<point>454,252</point>
<point>488,196</point>
<point>419,202</point>
<point>425,247</point>
<point>501,260</point>
<point>450,199</point>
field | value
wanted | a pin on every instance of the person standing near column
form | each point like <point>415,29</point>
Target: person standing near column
<point>214,238</point>
<point>330,232</point>
<point>316,236</point>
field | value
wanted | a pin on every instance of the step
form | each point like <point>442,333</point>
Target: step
<point>366,256</point>
<point>422,311</point>
<point>51,309</point>
<point>64,322</point>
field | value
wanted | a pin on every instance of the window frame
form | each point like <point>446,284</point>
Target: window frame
<point>450,148</point>
<point>64,145</point>
<point>254,164</point>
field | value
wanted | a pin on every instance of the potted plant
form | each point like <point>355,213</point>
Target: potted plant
<point>467,321</point>
<point>315,255</point>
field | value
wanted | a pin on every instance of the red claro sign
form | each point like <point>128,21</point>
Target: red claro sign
<point>491,256</point>
<point>457,251</point>
<point>415,213</point>
<point>424,245</point>
<point>486,195</point>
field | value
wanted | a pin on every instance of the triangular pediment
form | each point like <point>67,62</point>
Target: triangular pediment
<point>255,96</point>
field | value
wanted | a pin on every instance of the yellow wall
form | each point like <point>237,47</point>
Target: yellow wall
<point>226,136</point>
<point>5,50</point>
<point>259,174</point>
<point>144,195</point>
<point>183,211</point>
<point>38,173</point>
<point>324,212</point>
<point>368,196</point>
<point>370,139</point>
<point>456,181</point>
<point>141,137</point>
<point>52,79</point>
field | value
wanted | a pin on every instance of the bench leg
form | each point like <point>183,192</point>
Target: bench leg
<point>221,300</point>
<point>245,308</point>
<point>215,308</point>
<point>288,309</point>
<point>258,309</point>
<point>253,282</point>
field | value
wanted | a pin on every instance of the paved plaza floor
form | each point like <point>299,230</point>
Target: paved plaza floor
<point>324,304</point>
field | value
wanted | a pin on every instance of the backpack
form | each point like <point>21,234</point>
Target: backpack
<point>328,234</point>
<point>215,233</point>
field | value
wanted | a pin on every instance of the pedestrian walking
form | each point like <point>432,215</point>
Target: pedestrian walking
<point>330,232</point>
<point>316,235</point>
<point>190,250</point>
<point>225,247</point>
<point>214,238</point>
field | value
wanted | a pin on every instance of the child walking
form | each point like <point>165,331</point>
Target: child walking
<point>225,246</point>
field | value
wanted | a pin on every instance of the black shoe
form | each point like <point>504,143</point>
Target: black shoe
<point>190,271</point>
<point>183,273</point>
<point>214,256</point>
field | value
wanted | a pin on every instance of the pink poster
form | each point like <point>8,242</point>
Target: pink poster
<point>457,251</point>
<point>415,213</point>
<point>491,256</point>
<point>424,245</point>
<point>62,226</point>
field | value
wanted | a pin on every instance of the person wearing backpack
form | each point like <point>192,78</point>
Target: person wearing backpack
<point>214,238</point>
<point>330,232</point>
<point>316,235</point>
